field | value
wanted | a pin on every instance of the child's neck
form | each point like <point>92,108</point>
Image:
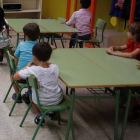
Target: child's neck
<point>135,41</point>
<point>43,64</point>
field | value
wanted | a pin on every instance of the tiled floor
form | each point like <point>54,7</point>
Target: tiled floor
<point>91,121</point>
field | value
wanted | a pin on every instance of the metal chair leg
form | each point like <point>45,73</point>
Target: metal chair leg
<point>55,43</point>
<point>15,102</point>
<point>40,122</point>
<point>8,91</point>
<point>62,43</point>
<point>30,105</point>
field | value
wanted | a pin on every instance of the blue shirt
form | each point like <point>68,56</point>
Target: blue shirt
<point>24,53</point>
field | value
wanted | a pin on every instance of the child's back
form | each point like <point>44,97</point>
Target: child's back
<point>24,53</point>
<point>50,93</point>
<point>24,49</point>
<point>82,21</point>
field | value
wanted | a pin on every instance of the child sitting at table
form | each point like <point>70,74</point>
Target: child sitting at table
<point>23,54</point>
<point>82,21</point>
<point>50,93</point>
<point>134,45</point>
<point>134,52</point>
<point>4,30</point>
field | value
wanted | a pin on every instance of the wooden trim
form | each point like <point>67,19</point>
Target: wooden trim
<point>68,9</point>
<point>133,3</point>
<point>75,5</point>
<point>131,19</point>
<point>92,9</point>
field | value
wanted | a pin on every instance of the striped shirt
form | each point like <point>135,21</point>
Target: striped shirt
<point>82,21</point>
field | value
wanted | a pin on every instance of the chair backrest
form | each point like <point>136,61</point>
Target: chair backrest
<point>11,63</point>
<point>100,24</point>
<point>33,82</point>
<point>61,19</point>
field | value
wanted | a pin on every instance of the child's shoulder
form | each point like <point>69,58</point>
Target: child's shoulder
<point>27,43</point>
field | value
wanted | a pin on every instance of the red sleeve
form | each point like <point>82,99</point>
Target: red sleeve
<point>138,46</point>
<point>129,44</point>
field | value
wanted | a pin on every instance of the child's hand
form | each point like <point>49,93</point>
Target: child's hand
<point>53,47</point>
<point>138,66</point>
<point>63,22</point>
<point>110,50</point>
<point>30,64</point>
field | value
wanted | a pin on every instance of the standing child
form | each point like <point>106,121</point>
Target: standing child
<point>4,38</point>
<point>23,53</point>
<point>82,21</point>
<point>134,45</point>
<point>50,93</point>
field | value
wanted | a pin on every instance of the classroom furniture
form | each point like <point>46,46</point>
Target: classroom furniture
<point>112,37</point>
<point>30,9</point>
<point>64,105</point>
<point>7,48</point>
<point>93,68</point>
<point>100,25</point>
<point>60,36</point>
<point>21,86</point>
<point>45,25</point>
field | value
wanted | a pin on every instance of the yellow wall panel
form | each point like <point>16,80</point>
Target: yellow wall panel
<point>57,8</point>
<point>54,8</point>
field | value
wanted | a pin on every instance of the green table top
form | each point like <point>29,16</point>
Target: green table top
<point>45,25</point>
<point>123,69</point>
<point>18,24</point>
<point>79,69</point>
<point>55,26</point>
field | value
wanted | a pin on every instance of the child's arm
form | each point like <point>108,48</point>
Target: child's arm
<point>138,66</point>
<point>116,48</point>
<point>125,54</point>
<point>53,47</point>
<point>16,61</point>
<point>71,20</point>
<point>17,76</point>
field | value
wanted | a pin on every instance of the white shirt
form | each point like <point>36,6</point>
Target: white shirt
<point>49,92</point>
<point>82,21</point>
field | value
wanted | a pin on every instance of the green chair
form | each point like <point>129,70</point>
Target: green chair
<point>64,105</point>
<point>12,67</point>
<point>55,35</point>
<point>100,25</point>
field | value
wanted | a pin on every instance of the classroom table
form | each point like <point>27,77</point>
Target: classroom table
<point>93,68</point>
<point>45,25</point>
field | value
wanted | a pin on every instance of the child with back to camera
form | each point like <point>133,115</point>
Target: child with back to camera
<point>82,21</point>
<point>50,93</point>
<point>4,31</point>
<point>23,54</point>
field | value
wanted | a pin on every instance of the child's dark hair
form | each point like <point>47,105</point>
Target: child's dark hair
<point>32,31</point>
<point>85,3</point>
<point>2,20</point>
<point>42,51</point>
<point>134,28</point>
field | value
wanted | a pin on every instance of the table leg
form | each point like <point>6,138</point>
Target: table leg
<point>52,39</point>
<point>66,90</point>
<point>76,41</point>
<point>116,115</point>
<point>70,119</point>
<point>126,114</point>
<point>17,39</point>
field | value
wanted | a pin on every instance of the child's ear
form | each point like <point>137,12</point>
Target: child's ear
<point>26,37</point>
<point>34,58</point>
